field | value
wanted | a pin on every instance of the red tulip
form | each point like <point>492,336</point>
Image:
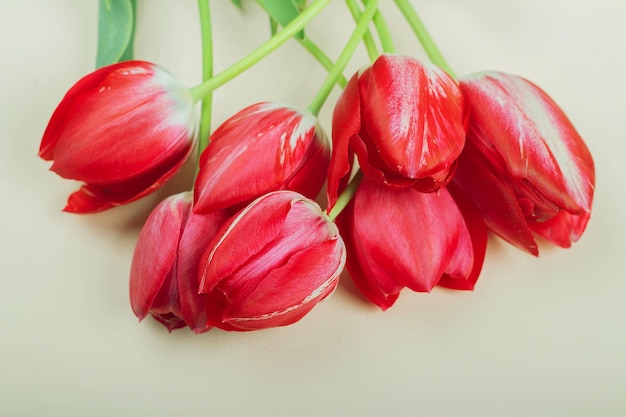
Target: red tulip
<point>525,166</point>
<point>271,263</point>
<point>123,130</point>
<point>398,238</point>
<point>163,276</point>
<point>263,148</point>
<point>404,121</point>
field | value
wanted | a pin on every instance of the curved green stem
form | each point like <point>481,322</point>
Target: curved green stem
<point>200,91</point>
<point>347,194</point>
<point>344,57</point>
<point>384,34</point>
<point>424,37</point>
<point>322,58</point>
<point>368,39</point>
<point>204,10</point>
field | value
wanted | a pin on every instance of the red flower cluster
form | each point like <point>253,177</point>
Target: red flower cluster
<point>442,162</point>
<point>275,254</point>
<point>520,168</point>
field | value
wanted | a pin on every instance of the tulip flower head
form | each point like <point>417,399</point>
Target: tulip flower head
<point>404,121</point>
<point>123,130</point>
<point>524,166</point>
<point>399,238</point>
<point>271,263</point>
<point>163,276</point>
<point>263,148</point>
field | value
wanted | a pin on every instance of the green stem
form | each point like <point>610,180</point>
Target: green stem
<point>322,58</point>
<point>200,91</point>
<point>368,39</point>
<point>345,197</point>
<point>204,10</point>
<point>384,34</point>
<point>359,31</point>
<point>424,37</point>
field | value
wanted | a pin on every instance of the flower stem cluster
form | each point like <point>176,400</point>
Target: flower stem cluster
<point>419,167</point>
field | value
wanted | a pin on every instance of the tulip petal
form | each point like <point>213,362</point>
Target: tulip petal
<point>495,200</point>
<point>151,268</point>
<point>243,236</point>
<point>308,179</point>
<point>345,124</point>
<point>91,198</point>
<point>72,100</point>
<point>478,234</point>
<point>304,226</point>
<point>373,166</point>
<point>517,121</point>
<point>562,229</point>
<point>165,307</point>
<point>370,160</point>
<point>365,281</point>
<point>200,229</point>
<point>289,292</point>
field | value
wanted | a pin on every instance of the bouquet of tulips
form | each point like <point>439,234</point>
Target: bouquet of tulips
<point>419,166</point>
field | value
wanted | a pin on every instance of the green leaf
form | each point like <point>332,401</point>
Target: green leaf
<point>283,12</point>
<point>237,3</point>
<point>116,31</point>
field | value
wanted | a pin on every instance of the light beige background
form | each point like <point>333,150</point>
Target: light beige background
<point>538,337</point>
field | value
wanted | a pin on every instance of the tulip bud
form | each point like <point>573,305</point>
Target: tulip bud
<point>163,276</point>
<point>398,238</point>
<point>124,130</point>
<point>525,166</point>
<point>271,263</point>
<point>404,121</point>
<point>263,148</point>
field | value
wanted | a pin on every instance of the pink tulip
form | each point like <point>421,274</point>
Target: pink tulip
<point>163,277</point>
<point>271,263</point>
<point>399,238</point>
<point>263,148</point>
<point>404,121</point>
<point>123,130</point>
<point>525,167</point>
